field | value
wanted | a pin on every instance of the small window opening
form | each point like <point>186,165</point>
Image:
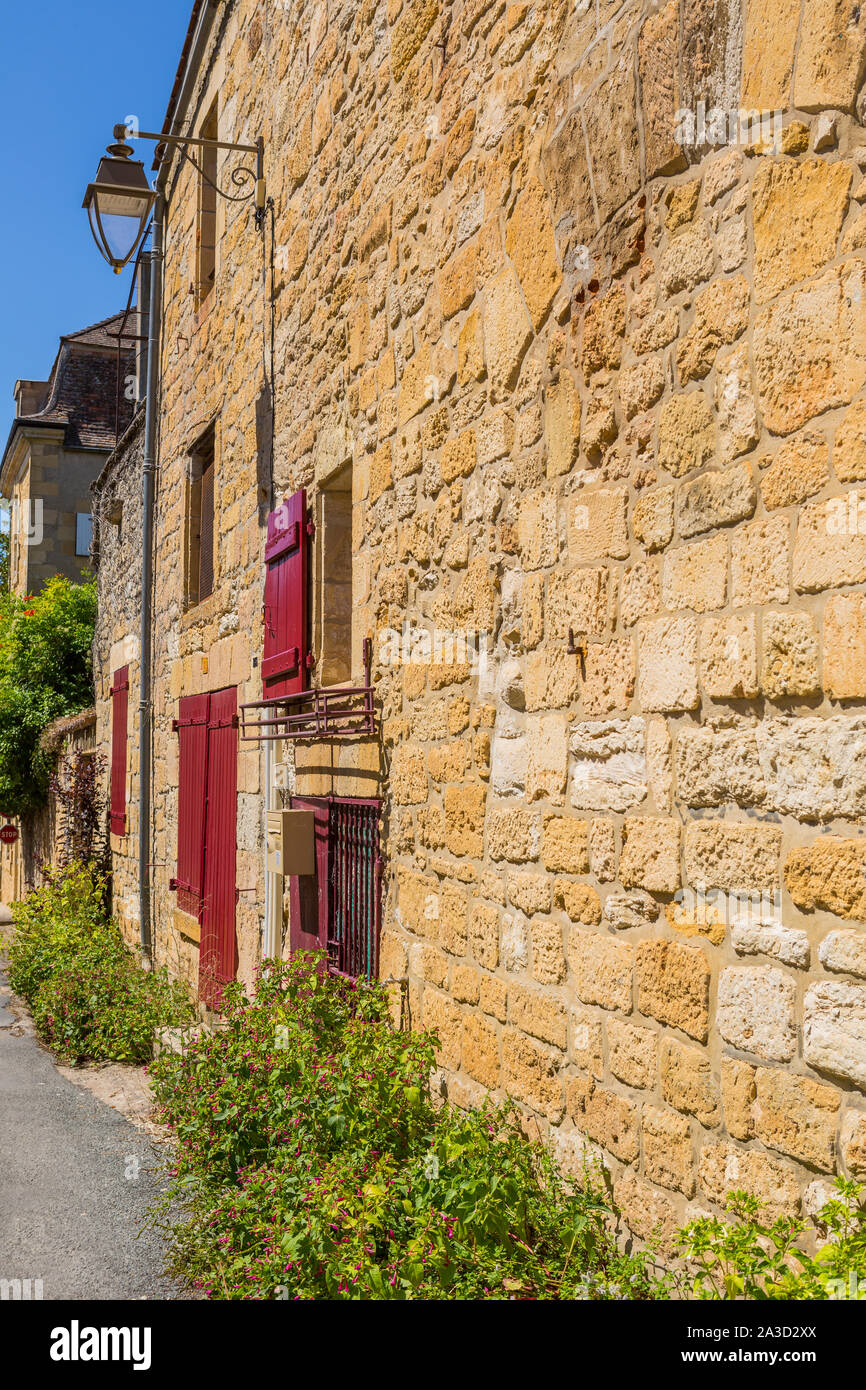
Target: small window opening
<point>332,604</point>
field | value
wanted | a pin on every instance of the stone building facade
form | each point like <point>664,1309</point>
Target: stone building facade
<point>569,320</point>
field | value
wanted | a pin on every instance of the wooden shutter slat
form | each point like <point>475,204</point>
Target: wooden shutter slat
<point>119,721</point>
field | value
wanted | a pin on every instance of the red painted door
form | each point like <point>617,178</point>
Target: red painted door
<point>286,648</point>
<point>218,960</point>
<point>308,893</point>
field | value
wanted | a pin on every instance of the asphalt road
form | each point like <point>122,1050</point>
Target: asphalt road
<point>76,1179</point>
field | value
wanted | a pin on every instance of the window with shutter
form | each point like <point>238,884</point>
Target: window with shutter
<point>119,719</point>
<point>339,909</point>
<point>286,658</point>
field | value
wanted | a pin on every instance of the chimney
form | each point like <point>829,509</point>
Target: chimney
<point>29,396</point>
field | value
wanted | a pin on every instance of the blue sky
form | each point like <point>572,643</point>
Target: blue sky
<point>69,70</point>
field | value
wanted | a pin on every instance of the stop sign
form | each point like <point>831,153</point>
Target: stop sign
<point>8,834</point>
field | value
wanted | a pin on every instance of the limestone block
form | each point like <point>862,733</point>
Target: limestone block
<point>653,518</point>
<point>724,1168</point>
<point>845,646</point>
<point>687,433</point>
<point>721,315</point>
<point>696,576</point>
<point>831,56</point>
<point>609,772</point>
<point>798,210</point>
<point>530,1073</point>
<point>687,1081</point>
<point>834,1030</point>
<point>650,854</point>
<point>633,1053</point>
<point>601,969</point>
<point>734,857</point>
<point>789,655</point>
<point>597,526</point>
<point>759,563</point>
<point>530,244</point>
<point>673,986</point>
<point>667,665</point>
<point>537,1012</point>
<point>729,658</point>
<point>844,951</point>
<point>829,875</point>
<point>507,332</point>
<point>809,348</point>
<point>716,499</point>
<point>606,1117</point>
<point>798,471</point>
<point>566,845</point>
<point>755,1011</point>
<point>667,1147</point>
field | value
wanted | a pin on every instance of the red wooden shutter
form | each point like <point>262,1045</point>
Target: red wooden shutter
<point>119,716</point>
<point>218,959</point>
<point>284,661</point>
<point>192,732</point>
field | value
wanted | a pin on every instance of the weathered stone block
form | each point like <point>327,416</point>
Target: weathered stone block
<point>608,681</point>
<point>845,951</point>
<point>607,1118</point>
<point>561,425</point>
<point>741,858</point>
<point>797,1116</point>
<point>759,563</point>
<point>507,332</point>
<point>687,433</point>
<point>633,1053</point>
<point>483,934</point>
<point>586,1042</point>
<point>530,1073</point>
<point>789,655</point>
<point>798,471</point>
<point>738,1094</point>
<point>687,1081</point>
<point>653,518</point>
<point>602,969</point>
<point>673,985</point>
<point>755,1011</point>
<point>650,854</point>
<point>480,1050</point>
<point>798,210</point>
<point>829,874</point>
<point>597,526</point>
<point>667,665</point>
<point>831,56</point>
<point>548,956</point>
<point>834,1030</point>
<point>729,657</point>
<point>845,646</point>
<point>513,834</point>
<point>724,1168</point>
<point>716,499</point>
<point>609,772</point>
<point>530,244</point>
<point>566,845</point>
<point>809,348</point>
<point>667,1147</point>
<point>830,547</point>
<point>579,900</point>
<point>721,315</point>
<point>696,576</point>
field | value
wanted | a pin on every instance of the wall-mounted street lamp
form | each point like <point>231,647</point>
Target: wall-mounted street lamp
<point>119,200</point>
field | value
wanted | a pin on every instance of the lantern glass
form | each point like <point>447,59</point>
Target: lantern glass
<point>118,203</point>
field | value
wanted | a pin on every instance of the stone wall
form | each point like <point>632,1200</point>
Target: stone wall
<point>595,345</point>
<point>116,505</point>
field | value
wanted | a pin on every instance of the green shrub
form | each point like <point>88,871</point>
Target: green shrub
<point>746,1258</point>
<point>313,1163</point>
<point>88,994</point>
<point>45,672</point>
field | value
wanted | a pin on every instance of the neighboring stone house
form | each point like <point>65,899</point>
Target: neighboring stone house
<point>63,431</point>
<point>574,351</point>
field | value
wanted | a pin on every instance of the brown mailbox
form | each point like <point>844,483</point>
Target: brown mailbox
<point>291,842</point>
